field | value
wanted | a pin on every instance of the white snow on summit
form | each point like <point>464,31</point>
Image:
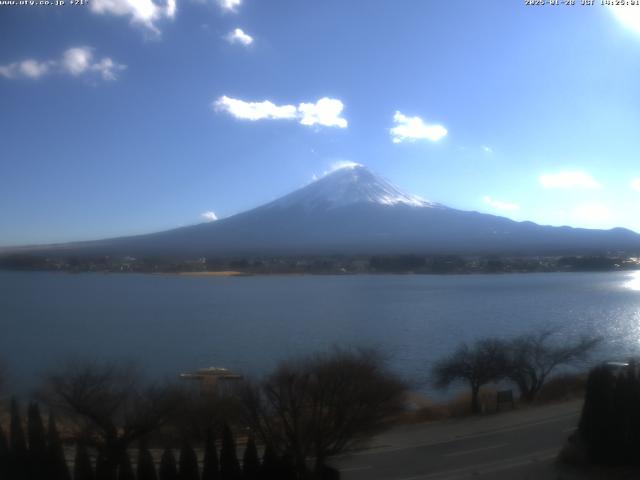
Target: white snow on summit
<point>350,183</point>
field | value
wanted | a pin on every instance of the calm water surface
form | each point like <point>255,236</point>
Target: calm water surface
<point>171,324</point>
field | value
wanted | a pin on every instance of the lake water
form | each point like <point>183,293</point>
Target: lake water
<point>170,324</point>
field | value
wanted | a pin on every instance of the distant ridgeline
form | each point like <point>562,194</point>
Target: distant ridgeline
<point>337,264</point>
<point>347,221</point>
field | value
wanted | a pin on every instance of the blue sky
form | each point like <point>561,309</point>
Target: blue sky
<point>122,116</point>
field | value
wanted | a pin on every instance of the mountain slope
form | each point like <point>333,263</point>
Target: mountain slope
<point>352,211</point>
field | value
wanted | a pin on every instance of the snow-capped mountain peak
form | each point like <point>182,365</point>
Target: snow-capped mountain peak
<point>349,184</point>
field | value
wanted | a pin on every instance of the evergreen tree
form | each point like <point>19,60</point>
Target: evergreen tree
<point>82,469</point>
<point>104,468</point>
<point>37,443</point>
<point>229,465</point>
<point>4,455</point>
<point>168,469</point>
<point>287,468</point>
<point>270,466</point>
<point>146,469</point>
<point>188,462</point>
<point>17,445</point>
<point>274,467</point>
<point>610,421</point>
<point>56,461</point>
<point>211,466</point>
<point>250,461</point>
<point>595,421</point>
<point>125,470</point>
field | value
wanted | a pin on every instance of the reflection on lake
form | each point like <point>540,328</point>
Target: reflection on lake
<point>172,323</point>
<point>633,282</point>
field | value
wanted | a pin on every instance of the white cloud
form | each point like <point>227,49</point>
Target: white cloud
<point>142,12</point>
<point>568,179</point>
<point>253,111</point>
<point>635,184</point>
<point>628,15</point>
<point>239,36</point>
<point>325,112</point>
<point>75,61</point>
<point>170,9</point>
<point>343,164</point>
<point>26,68</point>
<point>229,5</point>
<point>33,68</point>
<point>413,128</point>
<point>499,205</point>
<point>487,149</point>
<point>79,60</point>
<point>209,216</point>
<point>337,165</point>
<point>107,68</point>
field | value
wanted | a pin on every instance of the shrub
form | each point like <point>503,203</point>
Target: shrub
<point>610,422</point>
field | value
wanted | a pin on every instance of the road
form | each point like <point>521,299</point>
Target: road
<point>511,445</point>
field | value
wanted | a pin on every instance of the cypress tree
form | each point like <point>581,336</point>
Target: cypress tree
<point>168,470</point>
<point>270,465</point>
<point>276,468</point>
<point>56,461</point>
<point>37,443</point>
<point>595,421</point>
<point>188,462</point>
<point>125,470</point>
<point>250,461</point>
<point>211,466</point>
<point>229,465</point>
<point>286,468</point>
<point>105,469</point>
<point>82,469</point>
<point>4,455</point>
<point>146,469</point>
<point>17,444</point>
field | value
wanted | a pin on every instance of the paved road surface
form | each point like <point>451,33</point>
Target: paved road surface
<point>519,444</point>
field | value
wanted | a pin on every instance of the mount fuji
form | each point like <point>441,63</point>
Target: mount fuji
<point>353,211</point>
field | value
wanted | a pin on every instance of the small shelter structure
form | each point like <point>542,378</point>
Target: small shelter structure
<point>210,378</point>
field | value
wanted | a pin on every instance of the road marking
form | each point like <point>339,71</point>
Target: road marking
<point>484,468</point>
<point>355,469</point>
<point>467,452</point>
<point>567,430</point>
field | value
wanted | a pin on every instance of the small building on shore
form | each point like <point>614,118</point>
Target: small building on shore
<point>211,379</point>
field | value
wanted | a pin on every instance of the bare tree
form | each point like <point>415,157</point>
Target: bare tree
<point>109,403</point>
<point>201,411</point>
<point>477,365</point>
<point>322,405</point>
<point>532,357</point>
